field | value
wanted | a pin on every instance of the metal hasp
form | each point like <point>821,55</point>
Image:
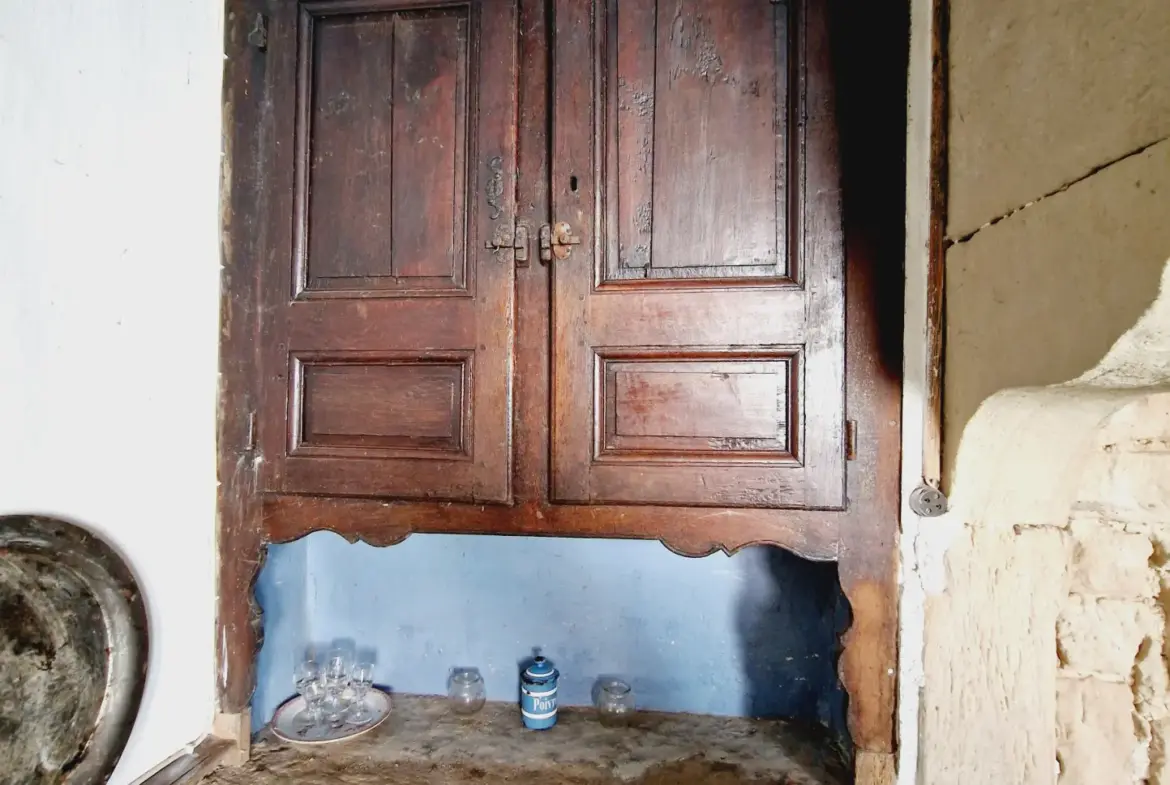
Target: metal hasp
<point>557,240</point>
<point>927,501</point>
<point>516,240</point>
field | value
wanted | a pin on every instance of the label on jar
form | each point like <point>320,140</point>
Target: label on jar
<point>538,705</point>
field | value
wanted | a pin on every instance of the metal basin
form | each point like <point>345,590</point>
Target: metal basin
<point>73,653</point>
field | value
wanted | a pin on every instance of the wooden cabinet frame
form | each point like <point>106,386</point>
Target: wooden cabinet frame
<point>870,50</point>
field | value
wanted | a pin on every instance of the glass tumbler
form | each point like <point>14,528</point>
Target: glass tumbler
<point>615,703</point>
<point>465,691</point>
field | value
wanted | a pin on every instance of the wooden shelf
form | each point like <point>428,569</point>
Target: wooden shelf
<point>423,744</point>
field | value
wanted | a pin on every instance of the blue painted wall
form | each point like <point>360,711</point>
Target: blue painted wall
<point>752,634</point>
<point>281,593</point>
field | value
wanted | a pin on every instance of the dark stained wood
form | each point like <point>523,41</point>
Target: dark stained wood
<point>531,408</point>
<point>247,116</point>
<point>932,446</point>
<point>869,64</point>
<point>721,400</point>
<point>719,111</point>
<point>386,101</point>
<point>689,531</point>
<point>386,186</point>
<point>688,124</point>
<point>429,144</point>
<point>383,406</point>
<point>870,45</point>
<point>692,104</point>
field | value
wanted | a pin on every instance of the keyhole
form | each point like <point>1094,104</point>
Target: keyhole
<point>573,183</point>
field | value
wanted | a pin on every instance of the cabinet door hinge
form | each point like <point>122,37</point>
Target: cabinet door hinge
<point>514,239</point>
<point>851,440</point>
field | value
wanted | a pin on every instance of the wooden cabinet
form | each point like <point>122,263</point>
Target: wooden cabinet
<point>696,289</point>
<point>389,348</point>
<point>711,356</point>
<point>699,327</point>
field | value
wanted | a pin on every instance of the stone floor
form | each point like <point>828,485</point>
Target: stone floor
<point>422,744</point>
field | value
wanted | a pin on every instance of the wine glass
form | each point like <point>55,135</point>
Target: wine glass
<point>335,706</point>
<point>306,674</point>
<point>314,695</point>
<point>361,678</point>
<point>336,673</point>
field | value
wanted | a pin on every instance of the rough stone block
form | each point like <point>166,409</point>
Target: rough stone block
<point>1096,737</point>
<point>1159,769</point>
<point>1104,636</point>
<point>1130,484</point>
<point>1109,562</point>
<point>989,667</point>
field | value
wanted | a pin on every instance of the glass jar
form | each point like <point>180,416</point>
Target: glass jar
<point>615,703</point>
<point>465,691</point>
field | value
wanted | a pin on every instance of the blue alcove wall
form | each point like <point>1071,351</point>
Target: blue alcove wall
<point>754,634</point>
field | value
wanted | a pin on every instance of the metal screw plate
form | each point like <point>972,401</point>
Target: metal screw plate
<point>927,501</point>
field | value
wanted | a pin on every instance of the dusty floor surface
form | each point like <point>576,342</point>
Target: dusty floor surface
<point>423,745</point>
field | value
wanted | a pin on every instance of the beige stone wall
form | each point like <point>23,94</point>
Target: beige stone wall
<point>1046,646</point>
<point>1059,189</point>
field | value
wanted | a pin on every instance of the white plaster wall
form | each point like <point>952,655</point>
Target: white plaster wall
<point>911,608</point>
<point>109,267</point>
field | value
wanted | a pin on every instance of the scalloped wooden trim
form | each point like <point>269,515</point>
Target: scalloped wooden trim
<point>687,531</point>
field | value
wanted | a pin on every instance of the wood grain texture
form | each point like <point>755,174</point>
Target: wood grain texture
<point>868,62</point>
<point>388,405</point>
<point>695,99</point>
<point>244,194</point>
<point>688,531</point>
<point>395,122</point>
<point>869,57</point>
<point>192,767</point>
<point>688,121</point>
<point>932,447</point>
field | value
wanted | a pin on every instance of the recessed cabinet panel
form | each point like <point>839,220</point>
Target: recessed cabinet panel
<point>700,322</point>
<point>701,405</point>
<point>688,194</point>
<point>388,324</point>
<point>394,407</point>
<point>383,183</point>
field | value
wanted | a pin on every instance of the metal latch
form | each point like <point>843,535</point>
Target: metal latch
<point>515,240</point>
<point>557,240</point>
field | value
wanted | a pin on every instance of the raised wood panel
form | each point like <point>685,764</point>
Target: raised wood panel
<point>718,403</point>
<point>394,407</point>
<point>382,135</point>
<point>688,194</point>
<point>706,406</point>
<point>393,125</point>
<point>694,152</point>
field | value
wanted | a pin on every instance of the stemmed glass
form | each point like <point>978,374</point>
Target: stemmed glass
<point>361,678</point>
<point>307,679</point>
<point>338,692</point>
<point>336,673</point>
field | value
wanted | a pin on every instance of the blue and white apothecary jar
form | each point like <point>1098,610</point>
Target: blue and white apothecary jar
<point>538,695</point>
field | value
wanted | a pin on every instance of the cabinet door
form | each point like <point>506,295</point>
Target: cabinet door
<point>388,324</point>
<point>699,324</point>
